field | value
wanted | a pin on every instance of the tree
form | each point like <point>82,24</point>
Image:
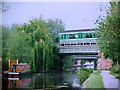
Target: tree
<point>55,27</point>
<point>31,43</point>
<point>109,33</point>
<point>4,49</point>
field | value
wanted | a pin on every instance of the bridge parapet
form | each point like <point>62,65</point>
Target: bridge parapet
<point>79,49</point>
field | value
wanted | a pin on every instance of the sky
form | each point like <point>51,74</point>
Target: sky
<point>73,14</point>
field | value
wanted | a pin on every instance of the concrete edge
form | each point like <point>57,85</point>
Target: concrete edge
<point>84,84</point>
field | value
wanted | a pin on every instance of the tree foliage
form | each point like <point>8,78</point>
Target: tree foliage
<point>109,33</point>
<point>31,43</point>
<point>55,27</point>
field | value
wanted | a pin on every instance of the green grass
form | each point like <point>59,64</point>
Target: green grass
<point>95,80</point>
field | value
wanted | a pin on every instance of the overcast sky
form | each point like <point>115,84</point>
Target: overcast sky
<point>74,15</point>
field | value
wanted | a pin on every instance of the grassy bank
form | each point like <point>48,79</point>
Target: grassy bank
<point>115,71</point>
<point>95,80</point>
<point>117,75</point>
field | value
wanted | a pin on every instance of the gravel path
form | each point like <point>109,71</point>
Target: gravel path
<point>109,80</point>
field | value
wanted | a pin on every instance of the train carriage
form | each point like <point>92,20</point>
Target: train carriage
<point>77,39</point>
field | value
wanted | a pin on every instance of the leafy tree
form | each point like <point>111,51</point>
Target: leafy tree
<point>55,27</point>
<point>4,49</point>
<point>31,43</point>
<point>109,33</point>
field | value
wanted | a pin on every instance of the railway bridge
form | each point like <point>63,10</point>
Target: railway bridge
<point>80,43</point>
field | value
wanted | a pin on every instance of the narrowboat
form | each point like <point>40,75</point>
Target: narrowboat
<point>16,70</point>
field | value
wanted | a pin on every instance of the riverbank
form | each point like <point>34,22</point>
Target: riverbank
<point>102,79</point>
<point>95,80</point>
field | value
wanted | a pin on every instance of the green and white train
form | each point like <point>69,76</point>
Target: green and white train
<point>77,37</point>
<point>78,41</point>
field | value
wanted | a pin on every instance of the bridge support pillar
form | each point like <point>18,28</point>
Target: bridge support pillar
<point>95,64</point>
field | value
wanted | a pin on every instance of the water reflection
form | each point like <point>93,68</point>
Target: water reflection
<point>44,80</point>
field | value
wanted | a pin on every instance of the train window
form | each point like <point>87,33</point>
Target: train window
<point>62,44</point>
<point>93,43</point>
<point>83,35</point>
<point>88,43</point>
<point>64,36</point>
<point>71,36</point>
<point>74,44</point>
<point>94,35</point>
<point>85,43</point>
<point>76,36</point>
<point>67,44</point>
<point>67,36</point>
<point>80,36</point>
<point>81,43</point>
<point>87,35</point>
<point>90,35</point>
<point>78,43</point>
<point>71,44</point>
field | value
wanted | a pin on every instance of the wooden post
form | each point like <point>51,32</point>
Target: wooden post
<point>17,61</point>
<point>9,62</point>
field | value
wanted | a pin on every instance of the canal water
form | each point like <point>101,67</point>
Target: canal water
<point>66,80</point>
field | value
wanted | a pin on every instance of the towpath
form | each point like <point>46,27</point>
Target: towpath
<point>109,81</point>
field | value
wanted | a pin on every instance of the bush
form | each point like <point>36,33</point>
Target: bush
<point>84,74</point>
<point>115,69</point>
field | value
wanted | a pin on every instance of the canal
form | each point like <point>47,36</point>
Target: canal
<point>66,80</point>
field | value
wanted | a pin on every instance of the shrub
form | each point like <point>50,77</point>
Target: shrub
<point>84,74</point>
<point>115,69</point>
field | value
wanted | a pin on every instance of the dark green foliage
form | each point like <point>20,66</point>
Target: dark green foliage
<point>58,63</point>
<point>115,69</point>
<point>5,35</point>
<point>84,74</point>
<point>68,62</point>
<point>55,27</point>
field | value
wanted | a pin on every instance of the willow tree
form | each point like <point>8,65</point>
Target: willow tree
<point>31,43</point>
<point>40,42</point>
<point>55,27</point>
<point>109,33</point>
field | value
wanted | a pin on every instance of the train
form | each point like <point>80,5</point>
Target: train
<point>78,41</point>
<point>77,37</point>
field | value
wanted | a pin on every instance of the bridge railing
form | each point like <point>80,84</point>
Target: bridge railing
<point>78,49</point>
